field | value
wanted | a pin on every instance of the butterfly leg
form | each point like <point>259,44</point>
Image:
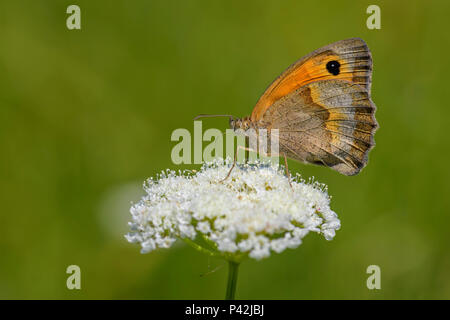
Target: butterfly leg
<point>287,169</point>
<point>235,160</point>
<point>212,271</point>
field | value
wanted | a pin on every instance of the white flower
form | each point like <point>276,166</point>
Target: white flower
<point>252,213</point>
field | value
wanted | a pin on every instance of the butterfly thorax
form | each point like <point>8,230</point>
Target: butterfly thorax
<point>248,127</point>
<point>256,133</point>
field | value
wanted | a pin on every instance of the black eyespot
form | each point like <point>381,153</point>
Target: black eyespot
<point>333,67</point>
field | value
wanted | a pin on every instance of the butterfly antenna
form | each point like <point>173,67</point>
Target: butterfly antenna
<point>213,116</point>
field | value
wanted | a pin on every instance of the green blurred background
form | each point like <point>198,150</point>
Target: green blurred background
<point>86,115</point>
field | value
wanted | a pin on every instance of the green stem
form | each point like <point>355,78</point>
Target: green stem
<point>233,268</point>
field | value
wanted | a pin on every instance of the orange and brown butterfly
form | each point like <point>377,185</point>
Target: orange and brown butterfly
<point>322,108</point>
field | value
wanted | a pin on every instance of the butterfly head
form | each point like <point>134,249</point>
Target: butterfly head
<point>240,123</point>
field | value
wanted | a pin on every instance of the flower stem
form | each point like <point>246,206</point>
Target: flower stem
<point>233,268</point>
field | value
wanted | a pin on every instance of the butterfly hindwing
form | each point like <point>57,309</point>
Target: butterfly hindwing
<point>327,122</point>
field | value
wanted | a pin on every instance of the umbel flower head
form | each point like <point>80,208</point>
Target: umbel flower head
<point>252,213</point>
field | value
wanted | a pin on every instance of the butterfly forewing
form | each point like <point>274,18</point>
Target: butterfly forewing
<point>348,60</point>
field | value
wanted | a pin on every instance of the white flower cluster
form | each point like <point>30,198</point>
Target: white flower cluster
<point>253,212</point>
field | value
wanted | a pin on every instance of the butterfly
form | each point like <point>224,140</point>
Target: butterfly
<point>321,107</point>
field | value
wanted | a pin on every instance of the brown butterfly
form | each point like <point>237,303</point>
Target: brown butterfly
<point>321,107</point>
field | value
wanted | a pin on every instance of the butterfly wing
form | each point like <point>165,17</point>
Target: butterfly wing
<point>348,59</point>
<point>327,122</point>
